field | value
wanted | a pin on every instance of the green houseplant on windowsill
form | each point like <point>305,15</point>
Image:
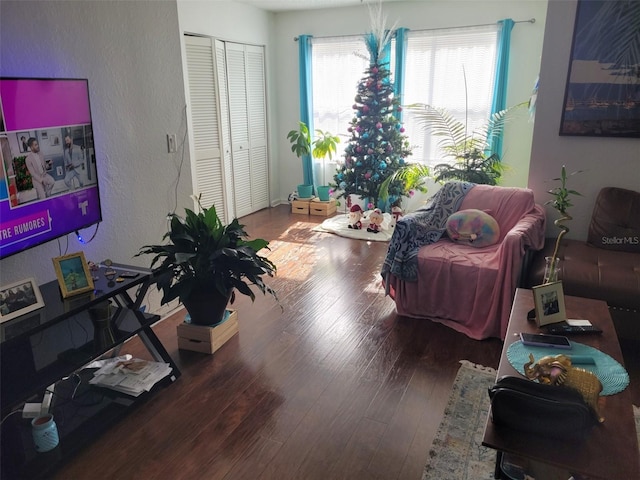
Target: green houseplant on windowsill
<point>205,262</point>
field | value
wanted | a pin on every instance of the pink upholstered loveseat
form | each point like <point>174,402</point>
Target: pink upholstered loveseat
<point>467,288</point>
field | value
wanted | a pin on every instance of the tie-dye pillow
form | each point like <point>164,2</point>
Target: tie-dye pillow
<point>473,227</point>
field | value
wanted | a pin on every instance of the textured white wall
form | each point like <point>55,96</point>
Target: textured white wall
<point>524,64</point>
<point>130,53</point>
<point>605,162</point>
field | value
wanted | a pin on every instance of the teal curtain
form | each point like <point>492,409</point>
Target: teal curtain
<point>398,75</point>
<point>499,101</point>
<point>306,100</point>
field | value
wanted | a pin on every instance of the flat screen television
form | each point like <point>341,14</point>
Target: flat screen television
<point>49,185</point>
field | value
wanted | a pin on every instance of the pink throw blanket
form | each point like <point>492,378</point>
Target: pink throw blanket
<point>471,289</point>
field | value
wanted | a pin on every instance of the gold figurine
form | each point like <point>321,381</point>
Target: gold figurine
<point>557,370</point>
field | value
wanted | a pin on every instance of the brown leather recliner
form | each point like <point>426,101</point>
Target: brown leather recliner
<point>607,265</point>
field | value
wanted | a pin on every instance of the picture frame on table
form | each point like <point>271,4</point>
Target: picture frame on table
<point>73,274</point>
<point>549,303</point>
<point>19,298</point>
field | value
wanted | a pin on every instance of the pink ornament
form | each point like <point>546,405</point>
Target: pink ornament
<point>402,130</point>
<point>365,109</point>
<point>399,108</point>
<point>411,193</point>
<point>369,206</point>
<point>350,129</point>
<point>370,151</point>
<point>367,175</point>
<point>378,125</point>
<point>355,106</point>
<point>374,69</point>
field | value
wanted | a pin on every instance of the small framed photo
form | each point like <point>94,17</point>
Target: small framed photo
<point>549,303</point>
<point>73,274</point>
<point>19,298</point>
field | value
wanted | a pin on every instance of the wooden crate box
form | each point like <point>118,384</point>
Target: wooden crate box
<point>301,206</point>
<point>200,338</point>
<point>323,209</point>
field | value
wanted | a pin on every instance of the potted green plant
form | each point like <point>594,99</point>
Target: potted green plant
<point>469,150</point>
<point>205,262</point>
<point>409,178</point>
<point>561,202</point>
<point>325,144</point>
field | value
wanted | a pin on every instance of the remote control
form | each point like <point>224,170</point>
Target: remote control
<point>564,329</point>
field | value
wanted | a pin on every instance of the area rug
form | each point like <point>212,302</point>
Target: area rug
<point>457,451</point>
<point>339,225</point>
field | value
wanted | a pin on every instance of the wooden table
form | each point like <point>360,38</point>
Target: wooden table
<point>611,450</point>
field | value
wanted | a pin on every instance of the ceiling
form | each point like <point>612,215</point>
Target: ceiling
<point>288,5</point>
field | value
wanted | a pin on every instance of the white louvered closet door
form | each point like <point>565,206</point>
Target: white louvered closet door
<point>257,106</point>
<point>205,124</point>
<point>221,64</point>
<point>248,126</point>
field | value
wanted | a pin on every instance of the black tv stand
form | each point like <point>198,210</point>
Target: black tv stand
<point>53,345</point>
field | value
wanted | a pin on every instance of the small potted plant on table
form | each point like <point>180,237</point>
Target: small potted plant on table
<point>561,202</point>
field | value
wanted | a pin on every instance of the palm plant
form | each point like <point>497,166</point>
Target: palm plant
<point>409,177</point>
<point>469,150</point>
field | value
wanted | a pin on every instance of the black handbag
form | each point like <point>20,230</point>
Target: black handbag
<point>536,408</point>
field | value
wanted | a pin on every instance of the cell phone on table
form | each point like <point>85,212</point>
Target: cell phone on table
<point>544,340</point>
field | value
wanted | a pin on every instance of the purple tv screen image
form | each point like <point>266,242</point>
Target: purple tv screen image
<point>49,184</point>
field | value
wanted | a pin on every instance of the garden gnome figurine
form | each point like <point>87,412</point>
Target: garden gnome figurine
<point>355,214</point>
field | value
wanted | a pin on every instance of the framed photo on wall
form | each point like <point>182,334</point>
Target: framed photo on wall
<point>549,303</point>
<point>602,95</point>
<point>73,274</point>
<point>19,298</point>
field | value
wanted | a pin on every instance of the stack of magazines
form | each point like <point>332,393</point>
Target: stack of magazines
<point>130,375</point>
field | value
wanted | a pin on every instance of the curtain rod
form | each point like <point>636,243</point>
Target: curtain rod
<point>531,20</point>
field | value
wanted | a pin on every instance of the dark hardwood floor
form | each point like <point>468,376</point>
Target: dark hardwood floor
<point>334,385</point>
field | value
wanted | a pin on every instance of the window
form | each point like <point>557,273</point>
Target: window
<point>433,75</point>
<point>437,63</point>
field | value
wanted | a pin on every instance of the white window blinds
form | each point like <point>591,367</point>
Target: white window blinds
<point>437,62</point>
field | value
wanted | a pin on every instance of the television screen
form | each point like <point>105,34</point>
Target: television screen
<point>49,186</point>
